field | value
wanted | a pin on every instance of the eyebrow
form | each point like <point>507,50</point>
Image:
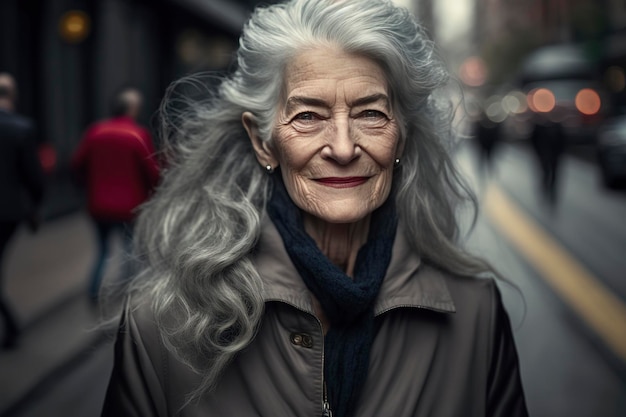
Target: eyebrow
<point>373,98</point>
<point>295,101</point>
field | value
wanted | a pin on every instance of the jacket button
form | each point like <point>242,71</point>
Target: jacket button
<point>302,339</point>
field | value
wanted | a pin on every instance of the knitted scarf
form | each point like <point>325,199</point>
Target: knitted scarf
<point>348,303</point>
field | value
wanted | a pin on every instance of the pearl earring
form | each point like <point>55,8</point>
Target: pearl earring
<point>269,169</point>
<point>396,163</point>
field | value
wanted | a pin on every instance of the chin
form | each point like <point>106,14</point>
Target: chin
<point>342,215</point>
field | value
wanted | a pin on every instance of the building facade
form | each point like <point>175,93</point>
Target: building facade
<point>505,31</point>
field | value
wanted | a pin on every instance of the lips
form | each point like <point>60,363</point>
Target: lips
<point>342,182</point>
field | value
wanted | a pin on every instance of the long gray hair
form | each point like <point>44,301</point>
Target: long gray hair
<point>196,235</point>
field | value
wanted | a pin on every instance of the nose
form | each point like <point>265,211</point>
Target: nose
<point>341,144</point>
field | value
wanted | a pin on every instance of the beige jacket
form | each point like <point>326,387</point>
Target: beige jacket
<point>443,347</point>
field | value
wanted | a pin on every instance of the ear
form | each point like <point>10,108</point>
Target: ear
<point>262,149</point>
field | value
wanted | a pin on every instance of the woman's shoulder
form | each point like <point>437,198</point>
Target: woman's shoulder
<point>138,320</point>
<point>471,293</point>
<point>483,286</point>
<point>437,289</point>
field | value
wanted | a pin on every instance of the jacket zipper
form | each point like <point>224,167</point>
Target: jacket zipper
<point>326,411</point>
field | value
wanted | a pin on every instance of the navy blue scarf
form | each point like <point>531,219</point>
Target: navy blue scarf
<point>348,303</point>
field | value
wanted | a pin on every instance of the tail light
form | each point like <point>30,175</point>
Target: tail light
<point>588,102</point>
<point>541,100</point>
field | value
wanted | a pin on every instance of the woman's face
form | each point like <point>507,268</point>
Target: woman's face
<point>336,137</point>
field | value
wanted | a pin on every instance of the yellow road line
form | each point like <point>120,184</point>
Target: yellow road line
<point>603,311</point>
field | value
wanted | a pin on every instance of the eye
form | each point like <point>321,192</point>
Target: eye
<point>307,121</point>
<point>306,116</point>
<point>373,114</point>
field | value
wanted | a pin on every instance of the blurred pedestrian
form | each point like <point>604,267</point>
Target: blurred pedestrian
<point>548,142</point>
<point>21,184</point>
<point>116,162</point>
<point>487,135</point>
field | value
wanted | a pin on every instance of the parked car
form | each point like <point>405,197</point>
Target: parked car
<point>612,151</point>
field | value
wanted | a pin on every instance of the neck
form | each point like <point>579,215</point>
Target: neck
<point>339,242</point>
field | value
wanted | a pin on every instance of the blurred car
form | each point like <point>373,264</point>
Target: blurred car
<point>558,61</point>
<point>577,104</point>
<point>560,83</point>
<point>612,151</point>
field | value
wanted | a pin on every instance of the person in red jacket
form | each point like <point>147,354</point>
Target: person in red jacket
<point>116,162</point>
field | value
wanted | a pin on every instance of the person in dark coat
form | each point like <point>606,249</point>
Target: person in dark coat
<point>300,257</point>
<point>549,142</point>
<point>21,183</point>
<point>116,162</point>
<point>487,135</point>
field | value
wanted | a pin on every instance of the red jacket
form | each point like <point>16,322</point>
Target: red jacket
<point>116,161</point>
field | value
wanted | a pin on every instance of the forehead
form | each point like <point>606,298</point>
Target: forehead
<point>321,68</point>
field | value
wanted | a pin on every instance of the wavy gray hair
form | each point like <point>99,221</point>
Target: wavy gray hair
<point>196,235</point>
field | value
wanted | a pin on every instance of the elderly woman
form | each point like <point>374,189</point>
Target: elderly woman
<point>300,255</point>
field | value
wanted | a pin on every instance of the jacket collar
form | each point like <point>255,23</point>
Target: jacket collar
<point>408,282</point>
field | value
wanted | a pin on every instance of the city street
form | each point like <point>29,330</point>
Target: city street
<point>567,367</point>
<point>47,277</point>
<point>80,77</point>
<point>573,363</point>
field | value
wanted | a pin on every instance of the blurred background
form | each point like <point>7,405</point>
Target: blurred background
<point>540,94</point>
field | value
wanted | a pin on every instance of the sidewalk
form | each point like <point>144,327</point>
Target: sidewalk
<point>46,277</point>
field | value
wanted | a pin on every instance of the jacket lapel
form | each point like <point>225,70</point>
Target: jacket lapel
<point>411,283</point>
<point>408,283</point>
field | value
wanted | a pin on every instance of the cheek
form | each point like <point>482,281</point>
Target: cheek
<point>388,155</point>
<point>295,189</point>
<point>383,150</point>
<point>387,179</point>
<point>293,152</point>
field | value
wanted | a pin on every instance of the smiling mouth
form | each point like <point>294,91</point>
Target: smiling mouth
<point>342,182</point>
